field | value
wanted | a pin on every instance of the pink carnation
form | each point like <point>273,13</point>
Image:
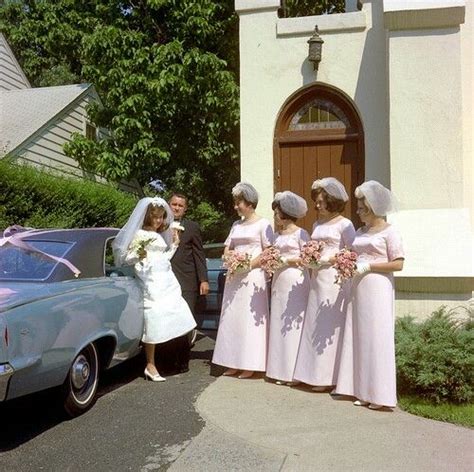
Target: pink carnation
<point>345,265</point>
<point>236,262</point>
<point>270,260</point>
<point>311,254</point>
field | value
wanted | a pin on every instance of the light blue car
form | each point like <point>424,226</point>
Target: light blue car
<point>57,329</point>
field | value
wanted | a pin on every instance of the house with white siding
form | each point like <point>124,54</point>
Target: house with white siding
<point>11,74</point>
<point>36,123</point>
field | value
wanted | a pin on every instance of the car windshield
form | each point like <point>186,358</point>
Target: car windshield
<point>19,264</point>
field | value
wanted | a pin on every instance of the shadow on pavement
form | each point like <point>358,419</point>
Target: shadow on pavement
<point>26,417</point>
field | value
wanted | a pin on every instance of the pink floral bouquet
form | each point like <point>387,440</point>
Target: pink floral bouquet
<point>236,262</point>
<point>311,254</point>
<point>345,265</point>
<point>271,260</point>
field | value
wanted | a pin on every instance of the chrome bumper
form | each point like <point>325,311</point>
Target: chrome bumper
<point>6,371</point>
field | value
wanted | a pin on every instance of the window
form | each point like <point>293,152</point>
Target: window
<point>319,114</point>
<point>91,132</point>
<point>110,269</point>
<point>21,264</point>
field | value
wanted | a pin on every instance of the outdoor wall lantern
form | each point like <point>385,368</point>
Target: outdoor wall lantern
<point>315,48</point>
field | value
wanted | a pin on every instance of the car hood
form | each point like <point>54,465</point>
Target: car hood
<point>13,294</point>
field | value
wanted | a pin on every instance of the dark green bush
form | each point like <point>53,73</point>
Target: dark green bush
<point>31,197</point>
<point>435,358</point>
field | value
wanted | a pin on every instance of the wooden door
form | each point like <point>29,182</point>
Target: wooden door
<point>313,149</point>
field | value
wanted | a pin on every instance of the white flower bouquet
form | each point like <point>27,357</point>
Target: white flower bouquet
<point>140,244</point>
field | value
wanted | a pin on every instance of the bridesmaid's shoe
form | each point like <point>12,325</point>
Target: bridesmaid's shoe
<point>319,388</point>
<point>375,406</point>
<point>360,403</point>
<point>230,372</point>
<point>246,374</point>
<point>153,377</point>
<point>280,382</point>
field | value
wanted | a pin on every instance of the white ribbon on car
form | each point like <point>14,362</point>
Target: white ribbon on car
<point>13,236</point>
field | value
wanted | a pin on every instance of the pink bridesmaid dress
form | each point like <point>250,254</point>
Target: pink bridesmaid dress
<point>367,369</point>
<point>242,335</point>
<point>290,287</point>
<point>320,347</point>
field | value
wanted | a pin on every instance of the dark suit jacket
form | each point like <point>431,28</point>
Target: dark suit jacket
<point>189,260</point>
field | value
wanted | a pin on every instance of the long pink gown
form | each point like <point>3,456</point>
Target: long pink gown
<point>367,369</point>
<point>321,339</point>
<point>242,335</point>
<point>290,287</point>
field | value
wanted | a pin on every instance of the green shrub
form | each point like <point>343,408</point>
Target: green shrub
<point>214,225</point>
<point>31,197</point>
<point>435,358</point>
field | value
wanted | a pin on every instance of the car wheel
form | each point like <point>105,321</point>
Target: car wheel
<point>81,383</point>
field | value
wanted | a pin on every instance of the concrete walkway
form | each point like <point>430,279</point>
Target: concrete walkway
<point>254,425</point>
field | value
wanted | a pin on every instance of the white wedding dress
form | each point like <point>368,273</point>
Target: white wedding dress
<point>167,315</point>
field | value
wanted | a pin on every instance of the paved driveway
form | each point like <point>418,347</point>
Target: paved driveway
<point>135,425</point>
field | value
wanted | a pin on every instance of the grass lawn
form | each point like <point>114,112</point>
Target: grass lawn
<point>450,412</point>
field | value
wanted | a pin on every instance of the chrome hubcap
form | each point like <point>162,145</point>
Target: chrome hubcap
<point>80,372</point>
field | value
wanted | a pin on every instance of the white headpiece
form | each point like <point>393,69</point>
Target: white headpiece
<point>291,204</point>
<point>379,199</point>
<point>332,187</point>
<point>247,191</point>
<point>135,222</point>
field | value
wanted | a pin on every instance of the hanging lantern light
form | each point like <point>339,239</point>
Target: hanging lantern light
<point>315,48</point>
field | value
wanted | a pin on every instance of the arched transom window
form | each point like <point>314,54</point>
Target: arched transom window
<point>319,114</point>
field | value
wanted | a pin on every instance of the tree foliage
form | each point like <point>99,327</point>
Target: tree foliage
<point>169,96</point>
<point>292,8</point>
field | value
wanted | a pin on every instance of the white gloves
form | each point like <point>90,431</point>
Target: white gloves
<point>362,268</point>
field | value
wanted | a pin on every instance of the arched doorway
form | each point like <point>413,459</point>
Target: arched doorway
<point>318,134</point>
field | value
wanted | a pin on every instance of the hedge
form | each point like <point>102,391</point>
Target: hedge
<point>34,198</point>
<point>435,358</point>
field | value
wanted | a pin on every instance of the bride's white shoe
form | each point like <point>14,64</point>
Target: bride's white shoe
<point>153,377</point>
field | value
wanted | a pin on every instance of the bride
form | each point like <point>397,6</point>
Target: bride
<point>148,243</point>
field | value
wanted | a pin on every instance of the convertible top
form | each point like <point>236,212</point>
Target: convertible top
<point>87,253</point>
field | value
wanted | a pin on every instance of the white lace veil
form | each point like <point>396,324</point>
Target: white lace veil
<point>245,190</point>
<point>333,187</point>
<point>380,199</point>
<point>291,204</point>
<point>135,222</point>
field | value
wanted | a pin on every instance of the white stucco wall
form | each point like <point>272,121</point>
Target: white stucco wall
<point>431,139</point>
<point>408,67</point>
<point>273,64</point>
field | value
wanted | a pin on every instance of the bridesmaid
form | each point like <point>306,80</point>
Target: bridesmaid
<point>367,369</point>
<point>320,348</point>
<point>290,287</point>
<point>241,343</point>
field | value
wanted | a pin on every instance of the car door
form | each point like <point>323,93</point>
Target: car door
<point>127,300</point>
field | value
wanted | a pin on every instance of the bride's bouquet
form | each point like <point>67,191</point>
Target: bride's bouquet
<point>139,244</point>
<point>271,260</point>
<point>345,265</point>
<point>311,254</point>
<point>236,262</point>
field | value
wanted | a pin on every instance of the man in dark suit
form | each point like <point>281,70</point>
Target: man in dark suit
<point>189,266</point>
